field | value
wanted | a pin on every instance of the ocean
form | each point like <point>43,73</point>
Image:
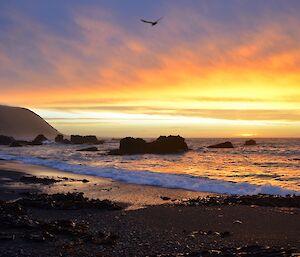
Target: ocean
<point>271,167</point>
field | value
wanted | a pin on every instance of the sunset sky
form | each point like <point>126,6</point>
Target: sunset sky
<point>210,68</point>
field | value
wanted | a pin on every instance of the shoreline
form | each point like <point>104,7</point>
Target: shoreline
<point>136,196</point>
<point>169,180</point>
<point>146,221</point>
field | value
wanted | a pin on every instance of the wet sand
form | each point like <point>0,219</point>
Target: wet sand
<point>136,196</point>
<point>146,226</point>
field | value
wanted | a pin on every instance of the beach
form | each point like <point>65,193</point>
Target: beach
<point>148,221</point>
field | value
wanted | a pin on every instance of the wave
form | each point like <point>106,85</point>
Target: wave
<point>167,180</point>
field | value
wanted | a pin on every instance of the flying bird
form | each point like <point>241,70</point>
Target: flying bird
<point>153,23</point>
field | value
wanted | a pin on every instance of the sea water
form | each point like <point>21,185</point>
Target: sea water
<point>271,167</point>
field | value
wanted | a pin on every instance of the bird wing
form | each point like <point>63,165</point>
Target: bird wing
<point>146,21</point>
<point>159,19</point>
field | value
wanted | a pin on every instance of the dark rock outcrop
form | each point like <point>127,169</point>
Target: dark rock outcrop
<point>22,123</point>
<point>222,145</point>
<point>130,145</point>
<point>39,140</point>
<point>170,144</point>
<point>59,138</point>
<point>162,145</point>
<point>90,140</point>
<point>66,141</point>
<point>5,140</point>
<point>89,149</point>
<point>78,140</point>
<point>250,142</point>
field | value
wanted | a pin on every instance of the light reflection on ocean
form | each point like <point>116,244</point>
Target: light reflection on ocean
<point>274,162</point>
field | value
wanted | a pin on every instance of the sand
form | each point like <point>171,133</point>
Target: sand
<point>148,225</point>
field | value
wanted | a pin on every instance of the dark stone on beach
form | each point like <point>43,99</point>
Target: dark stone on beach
<point>59,139</point>
<point>222,145</point>
<point>290,201</point>
<point>39,140</point>
<point>89,149</point>
<point>36,237</point>
<point>68,201</point>
<point>162,145</point>
<point>15,144</point>
<point>85,181</point>
<point>5,140</point>
<point>250,142</point>
<point>245,251</point>
<point>37,180</point>
<point>165,198</point>
<point>7,236</point>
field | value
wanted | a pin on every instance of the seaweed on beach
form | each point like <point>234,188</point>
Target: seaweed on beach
<point>245,251</point>
<point>290,201</point>
<point>38,180</point>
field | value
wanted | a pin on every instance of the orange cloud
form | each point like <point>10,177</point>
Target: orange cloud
<point>247,72</point>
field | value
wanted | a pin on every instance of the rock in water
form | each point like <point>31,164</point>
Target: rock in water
<point>76,139</point>
<point>250,142</point>
<point>79,140</point>
<point>90,140</point>
<point>5,140</point>
<point>15,144</point>
<point>23,123</point>
<point>170,144</point>
<point>222,145</point>
<point>59,138</point>
<point>162,145</point>
<point>89,149</point>
<point>39,140</point>
<point>130,145</point>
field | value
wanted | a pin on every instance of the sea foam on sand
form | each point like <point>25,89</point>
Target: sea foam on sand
<point>167,180</point>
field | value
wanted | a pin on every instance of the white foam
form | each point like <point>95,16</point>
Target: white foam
<point>167,180</point>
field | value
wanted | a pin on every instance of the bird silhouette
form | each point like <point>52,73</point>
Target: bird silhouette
<point>153,23</point>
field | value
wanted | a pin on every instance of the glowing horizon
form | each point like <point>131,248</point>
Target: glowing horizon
<point>207,70</point>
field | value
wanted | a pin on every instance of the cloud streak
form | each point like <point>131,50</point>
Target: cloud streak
<point>211,59</point>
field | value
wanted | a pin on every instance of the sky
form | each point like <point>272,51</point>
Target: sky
<point>221,68</point>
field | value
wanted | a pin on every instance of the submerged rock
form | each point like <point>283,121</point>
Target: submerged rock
<point>222,145</point>
<point>88,149</point>
<point>162,145</point>
<point>15,144</point>
<point>250,142</point>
